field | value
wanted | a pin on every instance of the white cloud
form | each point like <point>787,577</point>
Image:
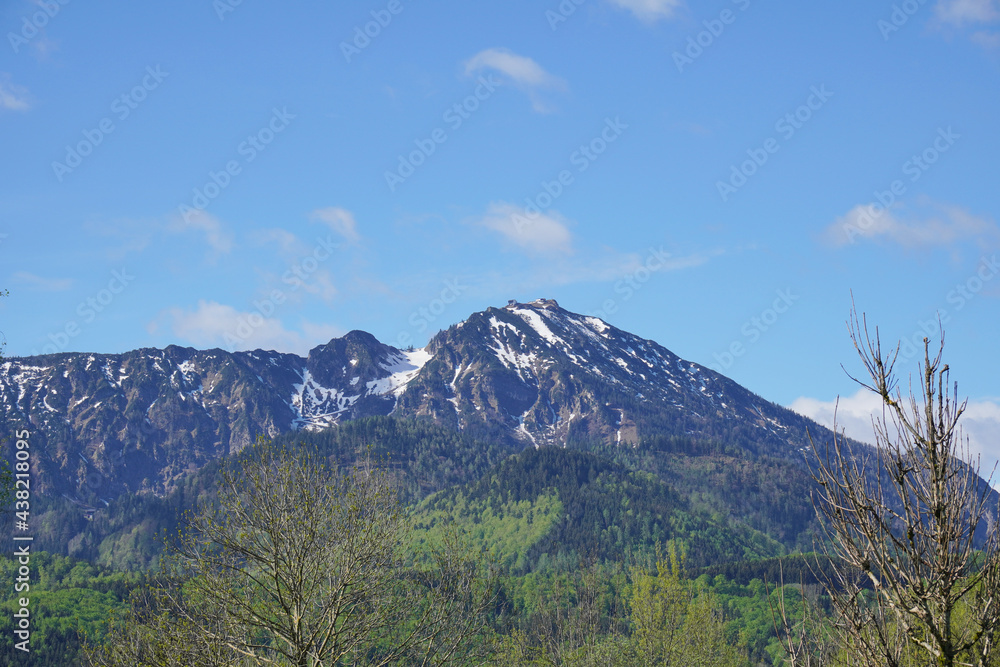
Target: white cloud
<point>963,12</point>
<point>981,422</point>
<point>519,69</point>
<point>213,324</point>
<point>946,226</point>
<point>522,71</point>
<point>216,237</point>
<point>853,413</point>
<point>43,284</point>
<point>650,10</point>
<point>535,233</point>
<point>339,220</point>
<point>13,97</point>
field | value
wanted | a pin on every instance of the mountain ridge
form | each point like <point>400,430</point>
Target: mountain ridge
<point>529,373</point>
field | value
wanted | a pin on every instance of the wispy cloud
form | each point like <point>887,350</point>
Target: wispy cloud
<point>986,39</point>
<point>306,268</point>
<point>339,220</point>
<point>981,421</point>
<point>521,71</point>
<point>213,324</point>
<point>944,226</point>
<point>650,10</point>
<point>217,238</point>
<point>43,284</point>
<point>966,12</point>
<point>976,15</point>
<point>127,236</point>
<point>12,96</point>
<point>534,233</point>
<point>613,266</point>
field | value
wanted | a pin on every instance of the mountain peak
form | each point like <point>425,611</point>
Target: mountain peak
<point>547,304</point>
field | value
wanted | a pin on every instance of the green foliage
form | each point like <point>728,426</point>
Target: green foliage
<point>297,562</point>
<point>609,614</point>
<point>507,532</point>
<point>606,512</point>
<point>675,623</point>
<point>67,597</point>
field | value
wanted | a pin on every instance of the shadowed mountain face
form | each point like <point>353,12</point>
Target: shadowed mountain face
<point>103,425</point>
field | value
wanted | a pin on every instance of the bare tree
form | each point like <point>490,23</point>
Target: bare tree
<point>901,523</point>
<point>297,564</point>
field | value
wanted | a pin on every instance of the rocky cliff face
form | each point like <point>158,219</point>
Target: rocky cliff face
<point>102,425</point>
<point>550,376</point>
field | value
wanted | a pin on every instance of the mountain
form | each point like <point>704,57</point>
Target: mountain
<point>549,376</point>
<point>138,422</point>
<point>112,433</point>
<point>531,373</point>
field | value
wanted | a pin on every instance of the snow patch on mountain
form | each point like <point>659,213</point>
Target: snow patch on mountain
<point>535,321</point>
<point>317,407</point>
<point>402,368</point>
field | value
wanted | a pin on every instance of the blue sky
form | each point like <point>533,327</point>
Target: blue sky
<point>717,176</point>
